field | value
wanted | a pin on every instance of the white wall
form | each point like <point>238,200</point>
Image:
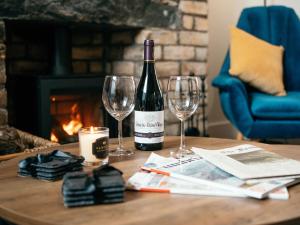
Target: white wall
<point>221,15</point>
<point>295,4</point>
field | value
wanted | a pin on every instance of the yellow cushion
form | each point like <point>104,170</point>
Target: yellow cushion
<point>256,62</point>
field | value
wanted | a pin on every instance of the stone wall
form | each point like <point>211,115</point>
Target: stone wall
<point>3,93</point>
<point>87,52</point>
<point>178,50</point>
<point>28,49</point>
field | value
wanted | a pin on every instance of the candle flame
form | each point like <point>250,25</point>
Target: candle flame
<point>92,129</point>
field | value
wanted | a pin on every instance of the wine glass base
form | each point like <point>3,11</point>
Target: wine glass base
<point>181,153</point>
<point>121,152</point>
<point>95,164</point>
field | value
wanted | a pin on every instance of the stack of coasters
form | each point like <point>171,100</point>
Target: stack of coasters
<point>105,185</point>
<point>78,189</point>
<point>109,184</point>
<point>51,167</point>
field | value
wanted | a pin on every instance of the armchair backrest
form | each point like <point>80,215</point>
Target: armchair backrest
<point>278,25</point>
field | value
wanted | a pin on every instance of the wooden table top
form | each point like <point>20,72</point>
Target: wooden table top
<point>35,202</point>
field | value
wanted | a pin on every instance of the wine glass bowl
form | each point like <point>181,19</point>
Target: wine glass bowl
<point>118,98</point>
<point>183,98</point>
<point>182,106</point>
<point>118,108</point>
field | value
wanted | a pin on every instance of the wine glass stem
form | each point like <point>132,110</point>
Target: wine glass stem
<point>182,137</point>
<point>120,134</point>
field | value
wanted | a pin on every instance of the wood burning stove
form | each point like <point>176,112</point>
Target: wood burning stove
<point>55,106</point>
<point>44,104</point>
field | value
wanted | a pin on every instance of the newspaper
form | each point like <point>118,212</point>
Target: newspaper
<point>250,162</point>
<point>255,181</point>
<point>197,170</point>
<point>153,182</point>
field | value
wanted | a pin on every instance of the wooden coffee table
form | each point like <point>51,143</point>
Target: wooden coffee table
<point>35,202</point>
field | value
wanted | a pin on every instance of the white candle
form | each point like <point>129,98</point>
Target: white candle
<point>87,137</point>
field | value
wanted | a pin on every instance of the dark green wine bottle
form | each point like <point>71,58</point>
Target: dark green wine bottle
<point>149,106</point>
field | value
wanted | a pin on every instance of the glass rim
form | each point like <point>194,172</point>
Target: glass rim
<point>182,76</point>
<point>119,75</point>
<point>93,130</point>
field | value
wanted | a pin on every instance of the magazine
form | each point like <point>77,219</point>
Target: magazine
<point>197,170</point>
<point>153,182</point>
<point>250,162</point>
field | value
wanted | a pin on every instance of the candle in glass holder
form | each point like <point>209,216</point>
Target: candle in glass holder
<point>93,142</point>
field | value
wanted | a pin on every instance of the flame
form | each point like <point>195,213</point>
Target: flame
<point>73,126</point>
<point>53,138</point>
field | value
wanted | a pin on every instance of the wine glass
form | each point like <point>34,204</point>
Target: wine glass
<point>118,97</point>
<point>183,98</point>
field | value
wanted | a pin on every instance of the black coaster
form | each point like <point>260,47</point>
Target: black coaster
<point>110,201</point>
<point>78,203</point>
<point>79,198</point>
<point>24,174</point>
<point>106,182</point>
<point>75,167</point>
<point>104,186</point>
<point>90,190</point>
<point>109,196</point>
<point>26,164</point>
<point>52,166</point>
<point>78,183</point>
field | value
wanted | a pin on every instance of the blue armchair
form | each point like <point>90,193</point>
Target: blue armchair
<point>256,114</point>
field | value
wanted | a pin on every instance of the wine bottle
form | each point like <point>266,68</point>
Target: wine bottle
<point>149,106</point>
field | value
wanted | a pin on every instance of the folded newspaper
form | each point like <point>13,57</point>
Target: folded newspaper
<point>198,171</point>
<point>251,162</point>
<point>152,182</point>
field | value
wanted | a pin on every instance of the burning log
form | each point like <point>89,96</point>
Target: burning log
<point>58,134</point>
<point>66,132</point>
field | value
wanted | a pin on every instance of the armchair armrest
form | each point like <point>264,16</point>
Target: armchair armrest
<point>235,101</point>
<point>227,82</point>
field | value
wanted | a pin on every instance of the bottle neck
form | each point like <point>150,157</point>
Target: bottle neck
<point>148,53</point>
<point>149,69</point>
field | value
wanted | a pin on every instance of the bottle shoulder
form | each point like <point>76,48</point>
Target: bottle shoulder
<point>149,96</point>
<point>149,99</point>
<point>150,82</point>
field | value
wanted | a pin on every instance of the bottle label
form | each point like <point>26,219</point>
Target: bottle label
<point>149,127</point>
<point>100,148</point>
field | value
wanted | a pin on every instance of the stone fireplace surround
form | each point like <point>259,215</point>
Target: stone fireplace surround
<point>180,34</point>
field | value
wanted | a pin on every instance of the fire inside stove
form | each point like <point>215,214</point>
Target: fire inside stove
<point>70,127</point>
<point>69,113</point>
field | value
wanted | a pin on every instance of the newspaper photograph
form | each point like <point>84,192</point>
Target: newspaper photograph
<point>250,162</point>
<point>197,170</point>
